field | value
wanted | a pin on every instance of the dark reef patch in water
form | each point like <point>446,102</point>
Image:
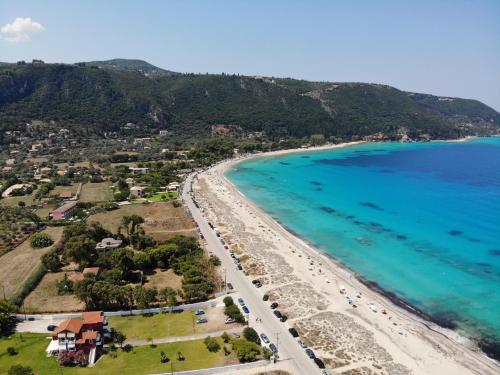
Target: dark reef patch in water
<point>316,183</point>
<point>485,265</point>
<point>328,209</point>
<point>387,171</point>
<point>371,205</point>
<point>318,189</point>
<point>350,217</point>
<point>495,252</point>
<point>473,240</point>
<point>455,232</point>
<point>401,237</point>
<point>284,163</point>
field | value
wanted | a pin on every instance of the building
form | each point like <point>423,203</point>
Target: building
<point>66,195</point>
<point>85,334</point>
<point>64,212</point>
<point>137,191</point>
<point>107,244</point>
<point>173,186</point>
<point>138,171</point>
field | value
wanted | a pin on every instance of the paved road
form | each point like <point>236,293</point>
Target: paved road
<point>287,346</point>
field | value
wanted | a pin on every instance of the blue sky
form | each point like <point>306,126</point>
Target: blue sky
<point>440,47</point>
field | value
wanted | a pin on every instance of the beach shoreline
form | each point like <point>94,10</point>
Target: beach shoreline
<point>456,354</point>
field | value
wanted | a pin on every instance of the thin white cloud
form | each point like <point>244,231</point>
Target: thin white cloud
<point>20,30</point>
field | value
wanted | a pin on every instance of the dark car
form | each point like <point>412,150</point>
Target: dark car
<point>265,297</point>
<point>240,267</point>
<point>293,332</point>
<point>230,286</point>
<point>245,310</point>
<point>283,318</point>
<point>274,305</point>
<point>258,285</point>
<point>51,328</point>
<point>255,281</point>
<point>319,362</point>
<point>273,348</point>
<point>310,353</point>
<point>277,313</point>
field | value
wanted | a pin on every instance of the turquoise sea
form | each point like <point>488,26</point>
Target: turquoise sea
<point>421,221</point>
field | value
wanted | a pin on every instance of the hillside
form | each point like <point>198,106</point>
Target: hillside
<point>104,96</point>
<point>131,65</point>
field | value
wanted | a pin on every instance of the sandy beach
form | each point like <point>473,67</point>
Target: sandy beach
<point>375,337</point>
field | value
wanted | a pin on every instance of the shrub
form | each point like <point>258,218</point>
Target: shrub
<point>20,370</point>
<point>211,344</point>
<point>39,240</point>
<point>251,335</point>
<point>64,359</point>
<point>81,358</point>
<point>164,358</point>
<point>228,301</point>
<point>234,312</point>
<point>214,260</point>
<point>11,351</point>
<point>246,351</point>
<point>267,353</point>
<point>225,337</point>
<point>180,356</point>
<point>51,260</point>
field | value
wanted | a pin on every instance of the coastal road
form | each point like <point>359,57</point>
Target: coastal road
<point>288,348</point>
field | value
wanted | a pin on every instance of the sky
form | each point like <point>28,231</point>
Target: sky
<point>449,48</point>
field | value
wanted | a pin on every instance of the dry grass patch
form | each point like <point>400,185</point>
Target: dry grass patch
<point>164,278</point>
<point>59,189</point>
<point>96,192</point>
<point>17,265</point>
<point>45,298</point>
<point>162,220</point>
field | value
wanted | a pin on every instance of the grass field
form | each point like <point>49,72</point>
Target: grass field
<point>163,197</point>
<point>45,298</point>
<point>140,327</point>
<point>140,360</point>
<point>59,189</point>
<point>13,201</point>
<point>162,220</point>
<point>96,192</point>
<point>17,265</point>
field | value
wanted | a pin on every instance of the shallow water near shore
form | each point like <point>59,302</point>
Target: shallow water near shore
<point>420,220</point>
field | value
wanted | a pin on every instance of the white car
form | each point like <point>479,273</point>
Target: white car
<point>229,320</point>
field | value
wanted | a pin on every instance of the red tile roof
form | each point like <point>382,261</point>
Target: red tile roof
<point>92,317</point>
<point>89,335</point>
<point>94,270</point>
<point>71,325</point>
<point>66,194</point>
<point>75,277</point>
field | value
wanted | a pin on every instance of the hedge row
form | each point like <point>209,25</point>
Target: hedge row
<point>29,285</point>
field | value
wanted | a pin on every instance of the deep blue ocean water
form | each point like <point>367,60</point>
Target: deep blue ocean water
<point>421,220</point>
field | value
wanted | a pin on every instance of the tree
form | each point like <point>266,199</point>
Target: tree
<point>144,297</point>
<point>80,249</point>
<point>142,261</point>
<point>51,260</point>
<point>211,344</point>
<point>234,312</point>
<point>228,301</point>
<point>119,337</point>
<point>251,335</point>
<point>168,296</point>
<point>246,351</point>
<point>40,240</point>
<point>6,309</point>
<point>20,370</point>
<point>21,204</point>
<point>11,351</point>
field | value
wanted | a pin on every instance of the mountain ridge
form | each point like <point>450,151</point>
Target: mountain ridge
<point>104,97</point>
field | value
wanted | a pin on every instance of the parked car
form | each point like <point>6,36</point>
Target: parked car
<point>230,286</point>
<point>240,267</point>
<point>274,305</point>
<point>232,255</point>
<point>201,320</point>
<point>258,285</point>
<point>199,312</point>
<point>241,302</point>
<point>226,247</point>
<point>51,327</point>
<point>255,281</point>
<point>283,318</point>
<point>277,313</point>
<point>293,332</point>
<point>310,353</point>
<point>273,348</point>
<point>245,310</point>
<point>229,320</point>
<point>202,236</point>
<point>302,344</point>
<point>264,338</point>
<point>265,297</point>
<point>319,362</point>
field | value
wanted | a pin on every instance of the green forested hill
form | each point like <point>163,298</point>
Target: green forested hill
<point>99,99</point>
